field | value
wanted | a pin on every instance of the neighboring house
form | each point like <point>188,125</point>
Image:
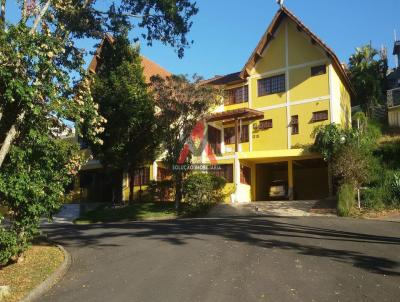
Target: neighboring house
<point>93,184</point>
<point>393,94</point>
<point>291,83</point>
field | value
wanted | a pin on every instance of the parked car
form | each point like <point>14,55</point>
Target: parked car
<point>278,189</point>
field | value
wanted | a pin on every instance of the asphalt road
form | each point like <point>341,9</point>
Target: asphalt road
<point>231,259</point>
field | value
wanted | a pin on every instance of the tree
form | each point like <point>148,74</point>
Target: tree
<point>368,76</point>
<point>349,152</point>
<point>120,90</point>
<point>44,88</point>
<point>182,104</point>
<point>38,55</point>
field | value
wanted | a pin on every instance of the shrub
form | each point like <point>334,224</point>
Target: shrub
<point>161,190</point>
<point>8,246</point>
<point>346,197</point>
<point>200,188</point>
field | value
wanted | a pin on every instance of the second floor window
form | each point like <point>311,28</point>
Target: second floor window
<point>319,116</point>
<point>271,85</point>
<point>229,135</point>
<point>237,95</point>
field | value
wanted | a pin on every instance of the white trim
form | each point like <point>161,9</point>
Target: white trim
<point>155,170</point>
<point>289,133</point>
<point>294,103</point>
<point>222,140</point>
<point>280,70</point>
<point>250,103</point>
<point>305,101</point>
<point>331,100</point>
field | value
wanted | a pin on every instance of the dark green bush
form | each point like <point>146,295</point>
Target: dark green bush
<point>8,246</point>
<point>200,188</point>
<point>161,190</point>
<point>346,199</point>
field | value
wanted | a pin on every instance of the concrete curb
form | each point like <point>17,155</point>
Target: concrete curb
<point>47,284</point>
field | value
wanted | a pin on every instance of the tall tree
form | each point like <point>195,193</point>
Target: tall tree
<point>44,88</point>
<point>38,53</point>
<point>367,71</point>
<point>182,104</point>
<point>120,90</point>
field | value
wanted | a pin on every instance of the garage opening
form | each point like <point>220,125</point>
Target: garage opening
<point>310,179</point>
<point>272,181</point>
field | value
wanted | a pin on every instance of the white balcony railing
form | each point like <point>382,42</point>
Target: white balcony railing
<point>393,97</point>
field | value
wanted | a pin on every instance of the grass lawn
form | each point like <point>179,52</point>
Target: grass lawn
<point>136,211</point>
<point>39,262</point>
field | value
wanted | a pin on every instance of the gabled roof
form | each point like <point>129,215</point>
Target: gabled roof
<point>268,36</point>
<point>150,68</point>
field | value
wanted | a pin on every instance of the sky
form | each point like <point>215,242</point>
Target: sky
<point>225,32</point>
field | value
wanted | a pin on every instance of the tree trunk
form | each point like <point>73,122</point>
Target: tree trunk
<point>10,137</point>
<point>178,190</point>
<point>131,184</point>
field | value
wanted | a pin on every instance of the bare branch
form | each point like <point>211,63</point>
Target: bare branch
<point>40,16</point>
<point>3,13</point>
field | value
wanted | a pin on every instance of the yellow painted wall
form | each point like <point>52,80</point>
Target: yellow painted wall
<point>303,86</point>
<point>274,54</point>
<point>306,125</point>
<point>274,138</point>
<point>300,48</point>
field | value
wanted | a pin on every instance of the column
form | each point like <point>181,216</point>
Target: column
<point>236,176</point>
<point>290,179</point>
<point>155,170</point>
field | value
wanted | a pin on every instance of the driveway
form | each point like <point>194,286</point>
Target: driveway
<point>245,258</point>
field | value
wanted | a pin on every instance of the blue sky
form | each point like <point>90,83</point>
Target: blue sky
<point>225,32</point>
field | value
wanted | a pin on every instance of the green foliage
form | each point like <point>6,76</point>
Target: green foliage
<point>350,151</point>
<point>368,76</point>
<point>120,90</point>
<point>199,188</point>
<point>346,199</point>
<point>328,140</point>
<point>32,182</point>
<point>161,190</point>
<point>8,246</point>
<point>182,103</point>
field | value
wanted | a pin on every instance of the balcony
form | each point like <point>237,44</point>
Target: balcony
<point>393,97</point>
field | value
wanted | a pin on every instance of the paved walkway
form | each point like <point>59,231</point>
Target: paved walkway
<point>284,208</point>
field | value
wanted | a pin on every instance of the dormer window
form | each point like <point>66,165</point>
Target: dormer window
<point>237,95</point>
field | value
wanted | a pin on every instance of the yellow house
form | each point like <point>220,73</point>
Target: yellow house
<point>291,83</point>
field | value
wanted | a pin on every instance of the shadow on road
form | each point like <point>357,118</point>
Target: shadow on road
<point>268,232</point>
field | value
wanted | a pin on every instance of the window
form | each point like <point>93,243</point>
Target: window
<point>229,135</point>
<point>265,124</point>
<point>271,85</point>
<point>318,70</point>
<point>214,139</point>
<point>320,116</point>
<point>245,175</point>
<point>295,124</point>
<point>226,172</point>
<point>142,176</point>
<point>237,95</point>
